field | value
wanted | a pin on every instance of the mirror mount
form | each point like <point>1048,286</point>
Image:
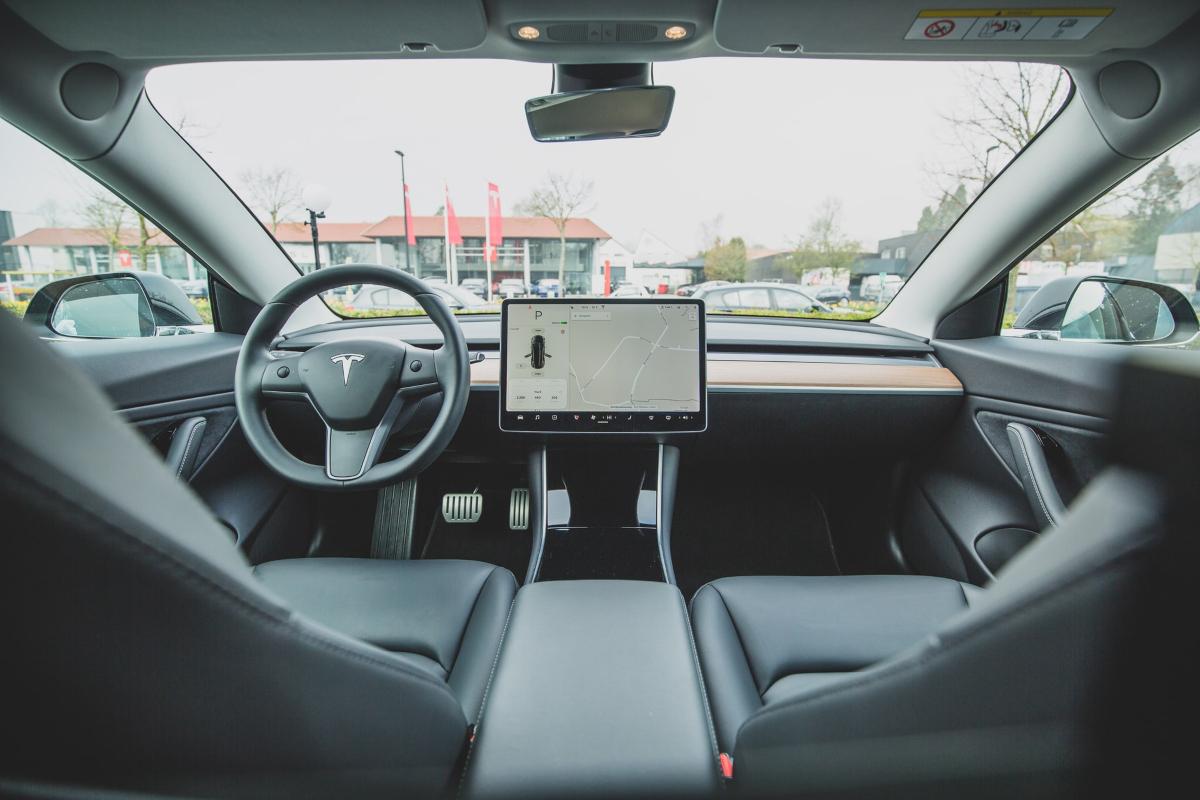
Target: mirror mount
<point>590,77</point>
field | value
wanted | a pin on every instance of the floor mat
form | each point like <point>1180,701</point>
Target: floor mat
<point>749,523</point>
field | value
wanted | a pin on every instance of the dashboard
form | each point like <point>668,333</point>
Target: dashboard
<point>603,366</point>
<point>839,389</point>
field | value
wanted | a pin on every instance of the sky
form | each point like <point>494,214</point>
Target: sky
<point>760,142</point>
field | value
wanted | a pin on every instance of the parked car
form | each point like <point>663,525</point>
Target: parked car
<point>379,298</point>
<point>761,296</point>
<point>830,294</point>
<point>476,286</point>
<point>870,288</point>
<point>630,290</point>
<point>688,289</point>
<point>548,287</point>
<point>511,287</point>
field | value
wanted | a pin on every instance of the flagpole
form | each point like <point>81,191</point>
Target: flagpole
<point>487,244</point>
<point>446,224</point>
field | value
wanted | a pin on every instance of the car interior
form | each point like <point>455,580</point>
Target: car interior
<point>452,554</point>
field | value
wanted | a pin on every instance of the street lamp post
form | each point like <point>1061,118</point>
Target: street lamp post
<point>316,200</point>
<point>404,186</point>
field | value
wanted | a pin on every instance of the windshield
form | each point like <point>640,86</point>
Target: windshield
<point>780,187</point>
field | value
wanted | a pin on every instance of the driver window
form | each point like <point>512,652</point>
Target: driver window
<point>57,224</point>
<point>1138,244</point>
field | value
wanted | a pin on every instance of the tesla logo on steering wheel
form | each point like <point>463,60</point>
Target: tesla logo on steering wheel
<point>347,360</point>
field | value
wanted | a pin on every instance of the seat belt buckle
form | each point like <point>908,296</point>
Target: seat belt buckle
<point>726,762</point>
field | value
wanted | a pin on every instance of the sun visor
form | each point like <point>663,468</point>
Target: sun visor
<point>876,28</point>
<point>153,30</point>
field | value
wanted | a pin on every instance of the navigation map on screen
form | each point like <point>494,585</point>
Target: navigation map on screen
<point>610,363</point>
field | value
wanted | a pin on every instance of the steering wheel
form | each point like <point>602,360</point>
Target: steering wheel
<point>361,387</point>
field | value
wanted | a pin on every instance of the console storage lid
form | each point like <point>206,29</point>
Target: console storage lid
<point>596,693</point>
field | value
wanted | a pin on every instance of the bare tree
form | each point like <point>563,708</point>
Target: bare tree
<point>710,232</point>
<point>107,214</point>
<point>274,192</point>
<point>560,198</point>
<point>51,213</point>
<point>1012,102</point>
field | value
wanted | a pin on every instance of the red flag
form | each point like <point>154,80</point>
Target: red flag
<point>409,231</point>
<point>495,234</point>
<point>453,235</point>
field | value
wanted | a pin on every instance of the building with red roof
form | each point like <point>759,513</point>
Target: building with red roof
<point>530,249</point>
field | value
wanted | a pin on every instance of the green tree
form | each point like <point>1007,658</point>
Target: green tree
<point>950,207</point>
<point>1155,206</point>
<point>726,261</point>
<point>825,244</point>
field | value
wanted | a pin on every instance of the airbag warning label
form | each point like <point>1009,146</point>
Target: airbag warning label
<point>1006,24</point>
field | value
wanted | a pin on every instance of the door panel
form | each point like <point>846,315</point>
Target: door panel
<point>158,383</point>
<point>970,488</point>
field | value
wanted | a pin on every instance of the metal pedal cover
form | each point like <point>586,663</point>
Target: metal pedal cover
<point>518,510</point>
<point>462,507</point>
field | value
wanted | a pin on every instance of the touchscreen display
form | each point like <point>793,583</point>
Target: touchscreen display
<point>622,365</point>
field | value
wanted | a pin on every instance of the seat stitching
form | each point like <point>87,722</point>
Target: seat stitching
<point>741,642</point>
<point>929,654</point>
<point>712,728</point>
<point>138,547</point>
<point>462,637</point>
<point>462,778</point>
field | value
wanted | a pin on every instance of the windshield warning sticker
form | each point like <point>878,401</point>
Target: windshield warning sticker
<point>1006,24</point>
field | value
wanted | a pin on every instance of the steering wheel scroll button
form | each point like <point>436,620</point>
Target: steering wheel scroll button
<point>283,372</point>
<point>416,365</point>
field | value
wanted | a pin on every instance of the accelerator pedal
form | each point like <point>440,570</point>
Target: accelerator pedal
<point>395,509</point>
<point>462,507</point>
<point>518,510</point>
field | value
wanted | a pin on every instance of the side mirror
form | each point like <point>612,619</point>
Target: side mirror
<point>112,305</point>
<point>1107,309</point>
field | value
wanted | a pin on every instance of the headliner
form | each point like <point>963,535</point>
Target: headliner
<point>152,32</point>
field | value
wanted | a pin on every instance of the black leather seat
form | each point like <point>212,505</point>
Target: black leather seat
<point>1068,671</point>
<point>142,652</point>
<point>765,640</point>
<point>443,617</point>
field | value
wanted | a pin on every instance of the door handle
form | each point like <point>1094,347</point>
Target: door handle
<point>1035,475</point>
<point>185,447</point>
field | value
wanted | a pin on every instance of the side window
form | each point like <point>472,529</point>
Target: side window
<point>759,299</point>
<point>786,300</point>
<point>1126,269</point>
<point>77,261</point>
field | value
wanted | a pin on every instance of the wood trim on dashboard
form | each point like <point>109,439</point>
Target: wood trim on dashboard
<point>796,375</point>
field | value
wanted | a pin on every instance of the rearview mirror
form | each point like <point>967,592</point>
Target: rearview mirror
<point>623,112</point>
<point>1108,309</point>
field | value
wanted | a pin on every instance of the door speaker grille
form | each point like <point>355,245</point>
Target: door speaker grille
<point>458,508</point>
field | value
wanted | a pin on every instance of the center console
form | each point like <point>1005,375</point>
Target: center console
<point>596,690</point>
<point>596,693</point>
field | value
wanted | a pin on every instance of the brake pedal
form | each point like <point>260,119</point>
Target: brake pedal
<point>462,507</point>
<point>518,510</point>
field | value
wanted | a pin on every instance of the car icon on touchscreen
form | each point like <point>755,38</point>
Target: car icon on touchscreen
<point>537,351</point>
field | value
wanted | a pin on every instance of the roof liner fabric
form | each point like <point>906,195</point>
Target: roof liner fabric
<point>152,32</point>
<point>229,29</point>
